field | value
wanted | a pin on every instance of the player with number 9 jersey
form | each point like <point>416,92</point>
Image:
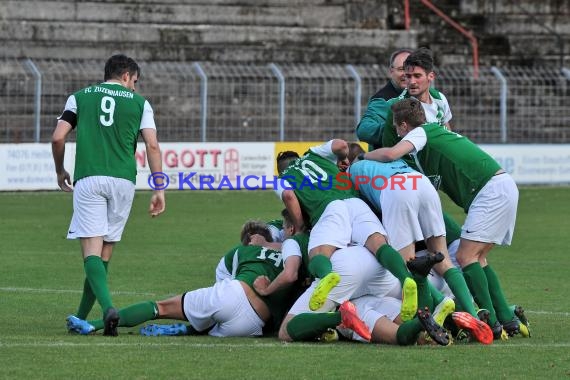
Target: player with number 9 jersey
<point>109,118</point>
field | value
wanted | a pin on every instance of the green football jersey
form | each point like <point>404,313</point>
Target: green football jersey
<point>250,261</point>
<point>276,223</point>
<point>460,164</point>
<point>108,121</point>
<point>317,182</point>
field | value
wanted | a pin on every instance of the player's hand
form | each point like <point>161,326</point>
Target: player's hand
<point>257,239</point>
<point>260,285</point>
<point>64,181</point>
<point>343,164</point>
<point>157,203</point>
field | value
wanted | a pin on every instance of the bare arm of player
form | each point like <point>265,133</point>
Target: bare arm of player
<point>288,276</point>
<point>58,151</point>
<point>257,239</point>
<point>340,149</point>
<point>294,207</point>
<point>390,154</point>
<point>157,201</point>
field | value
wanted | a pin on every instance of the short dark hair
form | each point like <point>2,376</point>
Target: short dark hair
<point>287,219</point>
<point>421,57</point>
<point>397,53</point>
<point>252,227</point>
<point>409,110</point>
<point>284,158</point>
<point>354,149</point>
<point>119,64</point>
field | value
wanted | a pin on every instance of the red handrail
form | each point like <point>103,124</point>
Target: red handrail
<point>407,14</point>
<point>450,21</point>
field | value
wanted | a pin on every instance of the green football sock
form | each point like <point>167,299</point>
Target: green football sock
<point>479,287</point>
<point>309,326</point>
<point>393,261</point>
<point>88,298</point>
<point>132,315</point>
<point>98,324</point>
<point>504,312</point>
<point>408,332</point>
<point>436,295</point>
<point>424,293</point>
<point>458,285</point>
<point>97,276</point>
<point>320,266</point>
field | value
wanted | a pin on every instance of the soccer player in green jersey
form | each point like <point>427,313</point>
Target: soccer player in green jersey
<point>295,256</point>
<point>107,117</point>
<point>475,182</point>
<point>230,307</point>
<point>411,213</point>
<point>312,185</point>
<point>376,127</point>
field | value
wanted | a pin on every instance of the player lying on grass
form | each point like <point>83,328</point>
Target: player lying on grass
<point>356,270</point>
<point>382,319</point>
<point>310,325</point>
<point>362,275</point>
<point>228,308</point>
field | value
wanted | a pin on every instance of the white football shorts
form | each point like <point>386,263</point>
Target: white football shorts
<point>360,274</point>
<point>101,207</point>
<point>345,222</point>
<point>492,215</point>
<point>225,307</point>
<point>370,309</point>
<point>413,213</point>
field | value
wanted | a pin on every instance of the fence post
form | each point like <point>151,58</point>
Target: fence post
<point>37,96</point>
<point>357,93</point>
<point>203,99</point>
<point>281,79</point>
<point>503,102</point>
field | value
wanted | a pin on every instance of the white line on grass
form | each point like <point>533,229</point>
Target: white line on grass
<point>186,344</point>
<point>43,290</point>
<point>561,313</point>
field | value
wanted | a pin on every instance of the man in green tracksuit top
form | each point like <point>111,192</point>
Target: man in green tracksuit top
<point>475,182</point>
<point>376,126</point>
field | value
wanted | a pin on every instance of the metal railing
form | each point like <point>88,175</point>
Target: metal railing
<point>205,101</point>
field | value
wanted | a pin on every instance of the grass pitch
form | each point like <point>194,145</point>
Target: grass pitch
<point>41,279</point>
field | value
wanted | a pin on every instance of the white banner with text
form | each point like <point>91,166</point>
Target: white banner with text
<point>211,166</point>
<point>186,166</point>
